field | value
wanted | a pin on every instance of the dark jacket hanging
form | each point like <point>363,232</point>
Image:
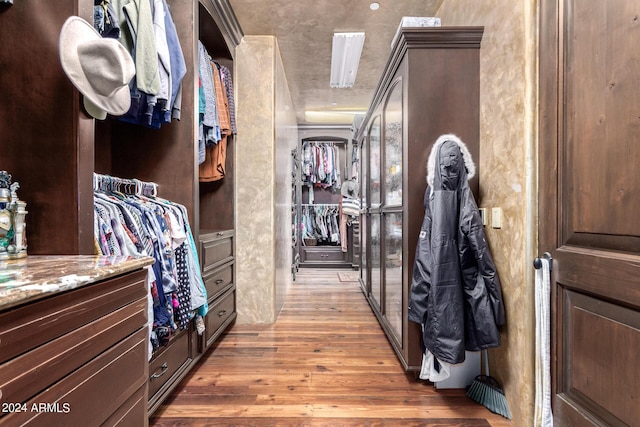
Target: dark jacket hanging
<point>455,291</point>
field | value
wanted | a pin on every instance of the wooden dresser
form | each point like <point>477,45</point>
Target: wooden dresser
<point>218,267</point>
<point>74,341</point>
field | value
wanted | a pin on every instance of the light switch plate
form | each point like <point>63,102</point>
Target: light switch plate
<point>483,215</point>
<point>496,217</point>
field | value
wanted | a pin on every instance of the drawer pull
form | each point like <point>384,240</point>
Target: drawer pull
<point>222,313</point>
<point>220,233</point>
<point>324,255</point>
<point>163,370</point>
<point>219,281</point>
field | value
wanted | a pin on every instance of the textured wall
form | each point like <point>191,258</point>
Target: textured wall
<point>267,132</point>
<point>507,143</point>
<point>286,140</point>
<point>255,178</point>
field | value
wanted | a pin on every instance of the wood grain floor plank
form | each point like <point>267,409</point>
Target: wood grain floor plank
<point>323,411</point>
<point>322,422</point>
<point>324,362</point>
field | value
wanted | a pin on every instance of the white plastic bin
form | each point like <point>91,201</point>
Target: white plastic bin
<point>463,373</point>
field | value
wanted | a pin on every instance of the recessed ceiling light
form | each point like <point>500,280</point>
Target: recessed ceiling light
<point>374,6</point>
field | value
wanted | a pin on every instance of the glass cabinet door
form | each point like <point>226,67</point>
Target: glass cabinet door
<point>364,181</point>
<point>393,272</point>
<point>393,147</point>
<point>375,259</point>
<point>375,262</point>
<point>374,163</point>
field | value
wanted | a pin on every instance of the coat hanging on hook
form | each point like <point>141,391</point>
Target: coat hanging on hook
<point>456,293</point>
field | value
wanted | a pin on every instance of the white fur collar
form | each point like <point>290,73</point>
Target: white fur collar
<point>466,155</point>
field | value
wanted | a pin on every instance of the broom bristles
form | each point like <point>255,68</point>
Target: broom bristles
<point>486,391</point>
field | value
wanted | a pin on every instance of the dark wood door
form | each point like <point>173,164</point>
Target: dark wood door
<point>590,206</point>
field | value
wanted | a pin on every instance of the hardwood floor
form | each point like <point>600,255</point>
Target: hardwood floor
<point>325,362</point>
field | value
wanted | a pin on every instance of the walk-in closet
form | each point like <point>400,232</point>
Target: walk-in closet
<point>324,230</point>
<point>251,212</point>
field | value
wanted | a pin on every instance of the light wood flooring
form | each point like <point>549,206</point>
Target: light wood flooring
<point>325,362</point>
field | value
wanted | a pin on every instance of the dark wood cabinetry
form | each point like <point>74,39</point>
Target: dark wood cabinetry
<point>218,266</point>
<point>52,147</point>
<point>168,157</point>
<point>47,139</point>
<point>430,87</point>
<point>170,362</point>
<point>75,357</point>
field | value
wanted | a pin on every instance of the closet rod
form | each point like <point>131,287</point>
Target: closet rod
<point>319,204</point>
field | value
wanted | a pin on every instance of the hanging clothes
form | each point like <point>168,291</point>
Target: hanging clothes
<point>148,32</point>
<point>455,291</point>
<point>321,222</point>
<point>131,223</point>
<point>105,20</point>
<point>355,163</point>
<point>161,99</point>
<point>178,66</point>
<point>139,22</point>
<point>321,164</point>
<point>209,121</point>
<point>222,103</point>
<point>214,106</point>
<point>227,82</point>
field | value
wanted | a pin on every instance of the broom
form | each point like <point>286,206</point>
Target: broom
<point>487,391</point>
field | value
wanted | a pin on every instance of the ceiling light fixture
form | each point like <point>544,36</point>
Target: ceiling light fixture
<point>332,116</point>
<point>345,57</point>
<point>374,6</point>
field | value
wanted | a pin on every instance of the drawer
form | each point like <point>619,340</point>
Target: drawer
<point>31,372</point>
<point>168,362</point>
<point>90,395</point>
<point>32,325</point>
<point>218,280</point>
<point>220,315</point>
<point>323,254</point>
<point>216,249</point>
<point>131,412</point>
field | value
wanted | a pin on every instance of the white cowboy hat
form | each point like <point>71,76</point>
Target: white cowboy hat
<point>100,68</point>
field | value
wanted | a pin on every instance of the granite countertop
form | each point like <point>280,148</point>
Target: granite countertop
<point>36,276</point>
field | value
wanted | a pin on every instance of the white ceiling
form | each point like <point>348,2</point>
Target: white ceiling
<point>304,31</point>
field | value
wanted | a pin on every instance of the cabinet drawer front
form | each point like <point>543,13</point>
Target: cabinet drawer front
<point>218,280</point>
<point>91,394</point>
<point>216,249</point>
<point>219,313</point>
<point>133,410</point>
<point>315,254</point>
<point>26,327</point>
<point>31,372</point>
<point>167,363</point>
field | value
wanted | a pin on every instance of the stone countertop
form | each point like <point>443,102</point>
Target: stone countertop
<point>35,277</point>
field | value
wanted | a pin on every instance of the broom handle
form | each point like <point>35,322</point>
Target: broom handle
<point>486,362</point>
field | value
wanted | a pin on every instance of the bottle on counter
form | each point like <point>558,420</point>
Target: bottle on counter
<point>13,241</point>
